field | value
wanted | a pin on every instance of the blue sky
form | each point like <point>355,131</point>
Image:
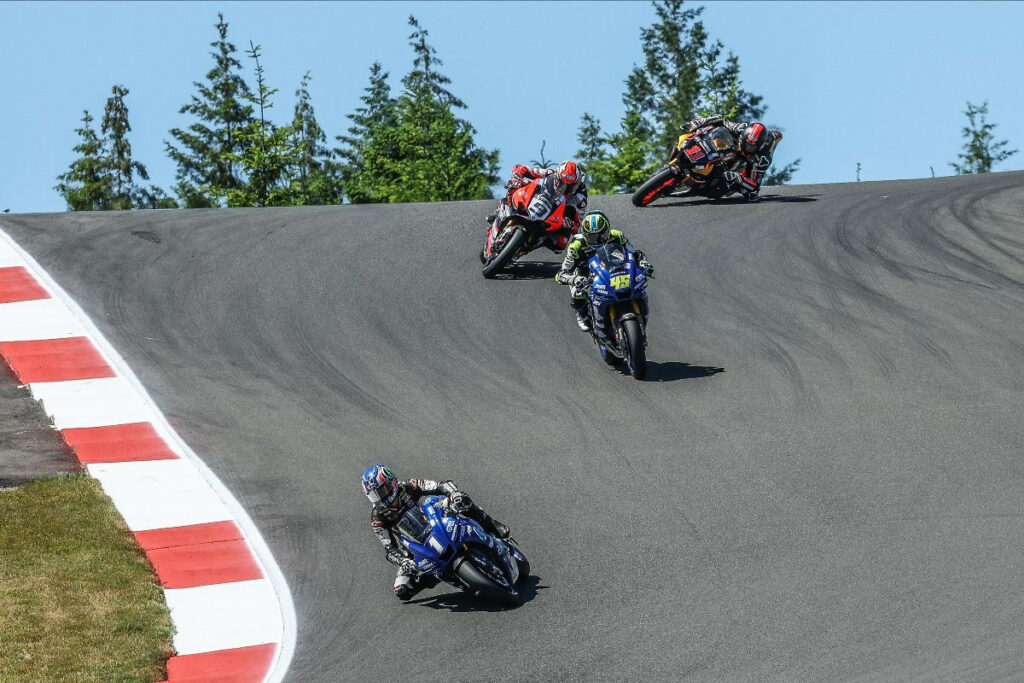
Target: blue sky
<point>883,84</point>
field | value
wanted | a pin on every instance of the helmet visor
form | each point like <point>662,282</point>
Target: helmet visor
<point>594,237</point>
<point>379,493</point>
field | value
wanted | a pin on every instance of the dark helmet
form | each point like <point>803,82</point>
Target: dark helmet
<point>754,139</point>
<point>380,485</point>
<point>595,227</point>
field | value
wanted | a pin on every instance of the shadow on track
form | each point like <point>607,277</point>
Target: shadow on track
<point>728,201</point>
<point>672,371</point>
<point>461,601</point>
<point>530,270</point>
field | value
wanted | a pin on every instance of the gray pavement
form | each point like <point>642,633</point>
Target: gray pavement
<point>29,448</point>
<point>821,479</point>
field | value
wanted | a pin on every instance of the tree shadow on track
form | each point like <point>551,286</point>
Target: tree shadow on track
<point>729,201</point>
<point>530,270</point>
<point>461,601</point>
<point>672,371</point>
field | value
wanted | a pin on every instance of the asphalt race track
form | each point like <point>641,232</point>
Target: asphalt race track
<point>821,479</point>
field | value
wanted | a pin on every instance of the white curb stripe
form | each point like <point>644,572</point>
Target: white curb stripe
<point>39,319</point>
<point>224,616</point>
<point>157,494</point>
<point>91,402</point>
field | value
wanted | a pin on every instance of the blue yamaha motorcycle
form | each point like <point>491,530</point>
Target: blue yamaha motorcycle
<point>618,307</point>
<point>459,552</point>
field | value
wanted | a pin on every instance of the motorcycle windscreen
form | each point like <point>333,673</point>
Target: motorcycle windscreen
<point>611,256</point>
<point>414,525</point>
<point>721,140</point>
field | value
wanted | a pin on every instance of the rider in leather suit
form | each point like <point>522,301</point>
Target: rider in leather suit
<point>568,179</point>
<point>755,147</point>
<point>391,499</point>
<point>595,230</point>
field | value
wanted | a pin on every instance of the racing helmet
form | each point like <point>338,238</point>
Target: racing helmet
<point>595,227</point>
<point>567,175</point>
<point>380,485</point>
<point>754,138</point>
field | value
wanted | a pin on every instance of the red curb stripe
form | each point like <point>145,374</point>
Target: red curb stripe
<point>118,443</point>
<point>244,664</point>
<point>55,360</point>
<point>203,564</point>
<point>213,532</point>
<point>17,284</point>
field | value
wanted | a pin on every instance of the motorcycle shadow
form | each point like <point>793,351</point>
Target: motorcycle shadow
<point>461,601</point>
<point>530,270</point>
<point>784,199</point>
<point>673,370</point>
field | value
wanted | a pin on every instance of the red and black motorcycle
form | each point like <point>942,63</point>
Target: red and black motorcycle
<point>696,166</point>
<point>521,226</point>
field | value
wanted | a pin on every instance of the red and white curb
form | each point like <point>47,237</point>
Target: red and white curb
<point>232,611</point>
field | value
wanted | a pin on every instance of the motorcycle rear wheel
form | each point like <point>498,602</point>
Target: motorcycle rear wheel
<point>637,359</point>
<point>658,185</point>
<point>504,257</point>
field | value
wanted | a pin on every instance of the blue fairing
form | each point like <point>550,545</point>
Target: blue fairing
<point>616,278</point>
<point>435,538</point>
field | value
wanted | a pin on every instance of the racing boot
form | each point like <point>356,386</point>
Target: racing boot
<point>582,311</point>
<point>490,525</point>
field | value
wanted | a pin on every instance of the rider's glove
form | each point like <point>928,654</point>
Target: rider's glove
<point>515,182</point>
<point>732,177</point>
<point>580,282</point>
<point>459,502</point>
<point>408,567</point>
<point>646,266</point>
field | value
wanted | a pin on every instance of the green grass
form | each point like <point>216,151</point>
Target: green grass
<point>78,599</point>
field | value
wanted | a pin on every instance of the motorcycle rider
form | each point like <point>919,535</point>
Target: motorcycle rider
<point>755,146</point>
<point>595,230</point>
<point>392,498</point>
<point>569,179</point>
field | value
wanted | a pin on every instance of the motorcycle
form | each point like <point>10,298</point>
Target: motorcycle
<point>516,231</point>
<point>459,552</point>
<point>696,166</point>
<point>618,303</point>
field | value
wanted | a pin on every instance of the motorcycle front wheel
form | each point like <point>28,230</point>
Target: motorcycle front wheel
<point>504,256</point>
<point>658,185</point>
<point>637,353</point>
<point>479,581</point>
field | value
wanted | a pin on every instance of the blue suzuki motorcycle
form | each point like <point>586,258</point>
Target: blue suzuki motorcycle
<point>618,307</point>
<point>459,552</point>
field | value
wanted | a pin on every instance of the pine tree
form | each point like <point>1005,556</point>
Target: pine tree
<point>424,75</point>
<point>315,174</point>
<point>438,158</point>
<point>365,150</point>
<point>415,148</point>
<point>266,151</point>
<point>981,151</point>
<point>592,143</point>
<point>208,146</point>
<point>87,184</point>
<point>125,193</point>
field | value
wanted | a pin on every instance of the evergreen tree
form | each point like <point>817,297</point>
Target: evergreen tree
<point>424,75</point>
<point>981,151</point>
<point>592,144</point>
<point>315,174</point>
<point>366,150</point>
<point>122,169</point>
<point>266,152</point>
<point>87,184</point>
<point>208,147</point>
<point>415,148</point>
<point>438,158</point>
